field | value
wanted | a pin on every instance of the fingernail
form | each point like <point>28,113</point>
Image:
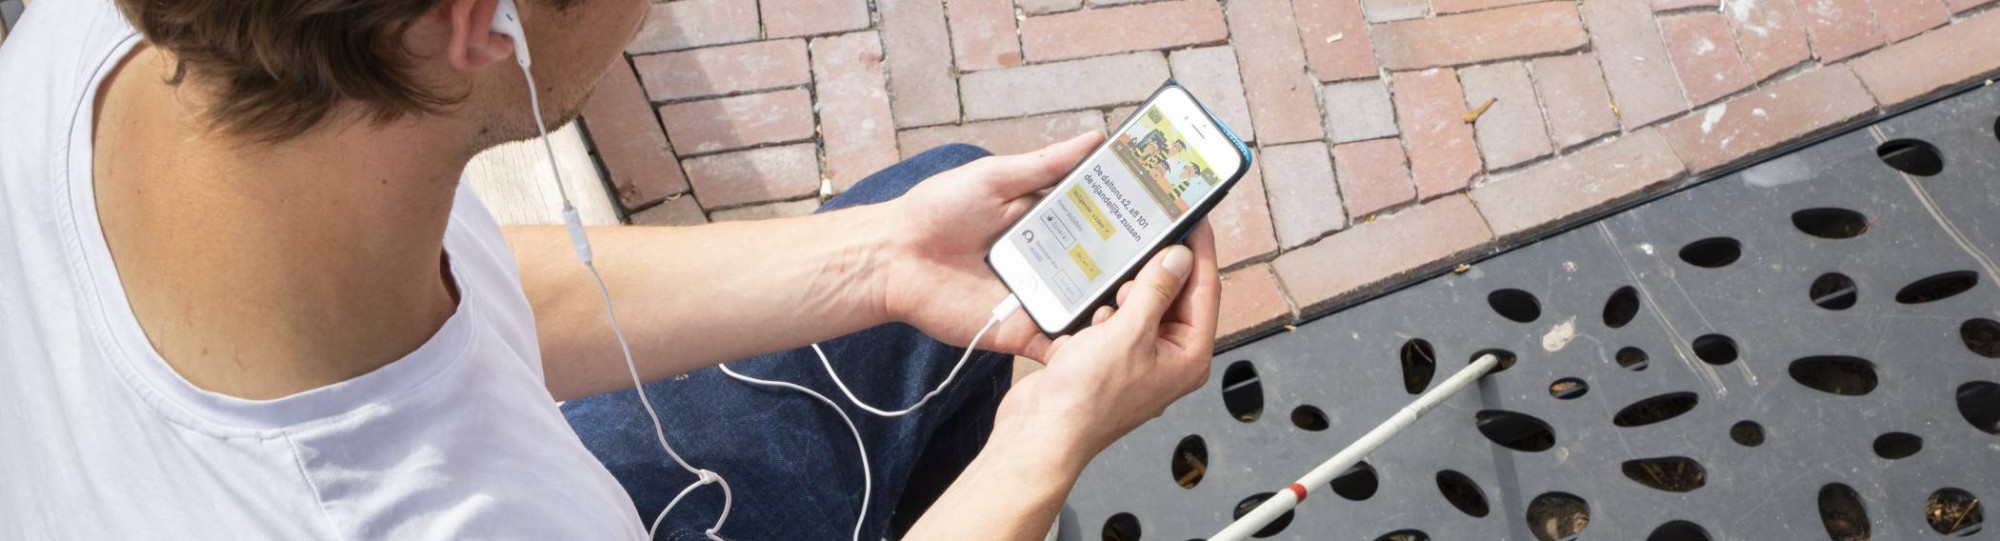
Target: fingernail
<point>1178,261</point>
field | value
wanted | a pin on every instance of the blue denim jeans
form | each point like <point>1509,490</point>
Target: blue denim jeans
<point>789,459</point>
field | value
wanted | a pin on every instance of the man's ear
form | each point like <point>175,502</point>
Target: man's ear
<point>473,44</point>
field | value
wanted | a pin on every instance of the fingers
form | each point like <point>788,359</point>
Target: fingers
<point>1103,314</point>
<point>1153,292</point>
<point>1018,335</point>
<point>1018,175</point>
<point>1198,306</point>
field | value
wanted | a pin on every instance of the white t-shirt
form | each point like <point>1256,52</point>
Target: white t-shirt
<point>101,439</point>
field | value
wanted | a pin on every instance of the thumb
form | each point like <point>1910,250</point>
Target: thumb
<point>1156,287</point>
<point>1017,175</point>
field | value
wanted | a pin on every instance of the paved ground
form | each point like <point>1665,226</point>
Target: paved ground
<point>1369,170</point>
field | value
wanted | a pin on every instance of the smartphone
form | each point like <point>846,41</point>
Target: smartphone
<point>1154,178</point>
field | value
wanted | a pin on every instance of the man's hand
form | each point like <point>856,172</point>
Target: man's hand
<point>1100,383</point>
<point>1133,361</point>
<point>936,278</point>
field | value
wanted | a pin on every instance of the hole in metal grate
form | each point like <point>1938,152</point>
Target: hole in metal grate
<point>1982,336</point>
<point>1837,374</point>
<point>1898,445</point>
<point>1668,473</point>
<point>1419,365</point>
<point>1275,527</point>
<point>1506,359</point>
<point>1714,252</point>
<point>1953,511</point>
<point>1462,493</point>
<point>1841,512</point>
<point>1679,530</point>
<point>1309,419</point>
<point>1979,403</point>
<point>1830,223</point>
<point>1190,461</point>
<point>1937,288</point>
<point>1514,430</point>
<point>1557,516</point>
<point>1656,409</point>
<point>1357,483</point>
<point>1715,349</point>
<point>1404,535</point>
<point>1121,527</point>
<point>1834,291</point>
<point>1621,307</point>
<point>1912,156</point>
<point>1242,392</point>
<point>1747,433</point>
<point>1631,358</point>
<point>1514,304</point>
<point>1568,388</point>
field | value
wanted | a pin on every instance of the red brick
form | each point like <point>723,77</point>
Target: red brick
<point>1840,28</point>
<point>1636,66</point>
<point>1446,7</point>
<point>1431,113</point>
<point>1549,195</point>
<point>1242,222</point>
<point>793,18</point>
<point>769,211</point>
<point>1667,5</point>
<point>677,211</point>
<point>1039,7</point>
<point>754,176</point>
<point>923,88</point>
<point>1776,114</point>
<point>1251,303</point>
<point>1962,6</point>
<point>1382,11</point>
<point>1478,37</point>
<point>1305,200</point>
<point>1095,32</point>
<point>1770,35</point>
<point>1903,19</point>
<point>1373,176</point>
<point>1335,35</point>
<point>1511,132</point>
<point>983,34</point>
<point>1358,111</point>
<point>1279,91</point>
<point>729,69</point>
<point>674,26</point>
<point>1574,99</point>
<point>1951,55</point>
<point>1061,86</point>
<point>628,137</point>
<point>1704,53</point>
<point>737,122</point>
<point>855,123</point>
<point>1010,136</point>
<point>1211,75</point>
<point>1350,264</point>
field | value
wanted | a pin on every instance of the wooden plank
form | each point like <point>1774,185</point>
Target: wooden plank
<point>513,179</point>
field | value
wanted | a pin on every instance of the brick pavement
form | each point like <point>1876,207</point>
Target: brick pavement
<point>1368,170</point>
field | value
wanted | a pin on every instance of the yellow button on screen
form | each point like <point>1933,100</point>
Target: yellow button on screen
<point>1090,212</point>
<point>1084,262</point>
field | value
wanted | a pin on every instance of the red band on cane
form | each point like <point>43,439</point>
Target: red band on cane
<point>1298,492</point>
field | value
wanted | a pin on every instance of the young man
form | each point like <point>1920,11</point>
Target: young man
<point>246,296</point>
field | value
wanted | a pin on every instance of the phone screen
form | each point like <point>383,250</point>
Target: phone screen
<point>1115,206</point>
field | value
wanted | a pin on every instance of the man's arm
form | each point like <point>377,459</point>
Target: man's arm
<point>690,297</point>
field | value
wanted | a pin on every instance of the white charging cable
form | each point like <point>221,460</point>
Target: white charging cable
<point>1001,312</point>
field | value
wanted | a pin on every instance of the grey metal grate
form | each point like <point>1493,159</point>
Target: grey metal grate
<point>1806,349</point>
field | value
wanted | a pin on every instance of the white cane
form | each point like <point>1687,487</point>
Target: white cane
<point>1321,476</point>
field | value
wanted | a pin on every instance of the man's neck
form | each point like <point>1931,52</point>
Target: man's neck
<point>262,270</point>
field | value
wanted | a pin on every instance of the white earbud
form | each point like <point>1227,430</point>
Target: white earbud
<point>507,22</point>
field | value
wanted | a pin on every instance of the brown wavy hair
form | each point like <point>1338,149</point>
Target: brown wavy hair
<point>282,67</point>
